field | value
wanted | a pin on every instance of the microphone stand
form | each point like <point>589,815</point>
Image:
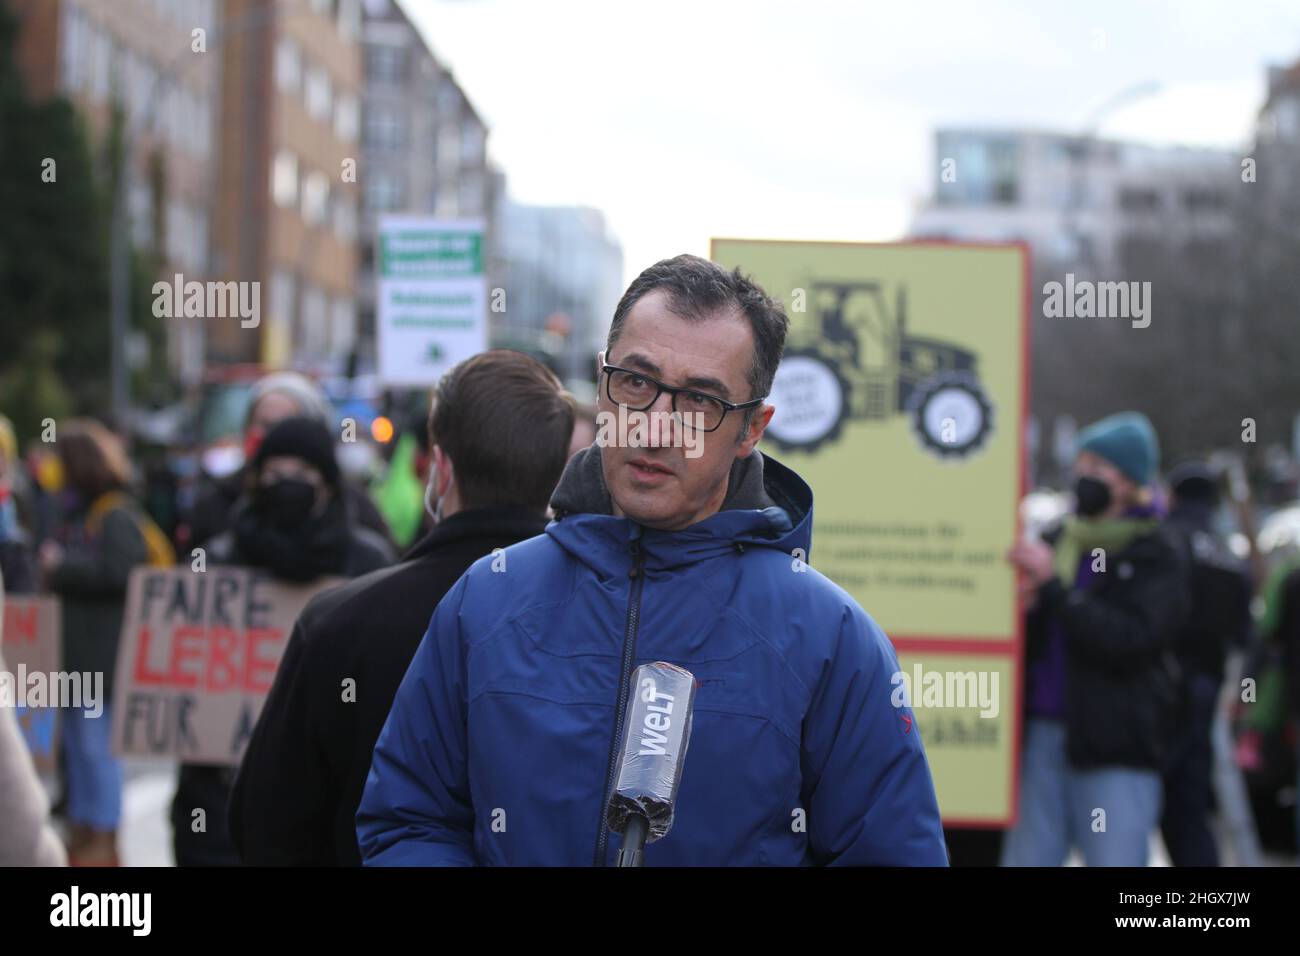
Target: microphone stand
<point>632,852</point>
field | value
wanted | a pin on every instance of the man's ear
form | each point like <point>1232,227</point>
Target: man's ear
<point>749,438</point>
<point>600,365</point>
<point>446,469</point>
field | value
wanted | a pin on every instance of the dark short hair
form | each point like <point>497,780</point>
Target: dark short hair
<point>506,421</point>
<point>697,288</point>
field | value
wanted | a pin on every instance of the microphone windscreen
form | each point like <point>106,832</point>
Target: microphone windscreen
<point>656,731</point>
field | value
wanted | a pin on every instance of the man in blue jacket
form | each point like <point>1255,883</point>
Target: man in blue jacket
<point>674,540</point>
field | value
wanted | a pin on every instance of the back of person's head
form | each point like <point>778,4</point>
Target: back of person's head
<point>1194,483</point>
<point>94,459</point>
<point>505,422</point>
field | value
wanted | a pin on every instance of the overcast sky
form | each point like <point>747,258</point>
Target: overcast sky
<point>812,119</point>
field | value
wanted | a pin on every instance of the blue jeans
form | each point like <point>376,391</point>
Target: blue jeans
<point>1059,807</point>
<point>94,775</point>
<point>1189,778</point>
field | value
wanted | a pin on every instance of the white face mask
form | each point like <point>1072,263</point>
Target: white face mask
<point>434,511</point>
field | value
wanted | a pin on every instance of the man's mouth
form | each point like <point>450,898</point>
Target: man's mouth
<point>647,470</point>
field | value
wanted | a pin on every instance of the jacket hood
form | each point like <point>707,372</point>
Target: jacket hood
<point>767,505</point>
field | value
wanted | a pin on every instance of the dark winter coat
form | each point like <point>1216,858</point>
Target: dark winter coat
<point>296,795</point>
<point>1122,678</point>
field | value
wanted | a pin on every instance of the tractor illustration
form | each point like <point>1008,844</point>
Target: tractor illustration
<point>858,362</point>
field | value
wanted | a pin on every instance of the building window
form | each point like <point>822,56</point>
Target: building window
<point>319,94</point>
<point>101,55</point>
<point>74,49</point>
<point>383,192</point>
<point>315,320</point>
<point>385,128</point>
<point>343,322</point>
<point>471,144</point>
<point>140,204</point>
<point>448,99</point>
<point>202,127</point>
<point>315,198</point>
<point>346,118</point>
<point>471,195</point>
<point>448,146</point>
<point>282,292</point>
<point>1135,199</point>
<point>1201,199</point>
<point>386,64</point>
<point>345,217</point>
<point>288,66</point>
<point>284,179</point>
<point>350,18</point>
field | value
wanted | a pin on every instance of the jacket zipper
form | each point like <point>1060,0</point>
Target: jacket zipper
<point>625,676</point>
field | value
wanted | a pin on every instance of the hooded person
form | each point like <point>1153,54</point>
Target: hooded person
<point>675,542</point>
<point>294,522</point>
<point>274,397</point>
<point>1107,594</point>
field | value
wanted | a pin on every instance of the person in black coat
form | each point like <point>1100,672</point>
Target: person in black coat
<point>274,397</point>
<point>1220,618</point>
<point>293,522</point>
<point>499,430</point>
<point>1107,595</point>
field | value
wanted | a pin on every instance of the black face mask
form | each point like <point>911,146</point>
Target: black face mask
<point>287,504</point>
<point>1092,497</point>
<point>280,533</point>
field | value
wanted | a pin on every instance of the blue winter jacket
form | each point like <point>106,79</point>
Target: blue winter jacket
<point>501,742</point>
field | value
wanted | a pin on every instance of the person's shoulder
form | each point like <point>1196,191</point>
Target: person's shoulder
<point>360,595</point>
<point>539,553</point>
<point>1165,544</point>
<point>370,551</point>
<point>826,613</point>
<point>509,582</point>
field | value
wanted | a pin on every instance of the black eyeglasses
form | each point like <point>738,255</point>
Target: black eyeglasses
<point>637,392</point>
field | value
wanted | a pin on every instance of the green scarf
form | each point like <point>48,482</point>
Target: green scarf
<point>1080,537</point>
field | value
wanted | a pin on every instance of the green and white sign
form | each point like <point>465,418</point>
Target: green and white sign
<point>431,298</point>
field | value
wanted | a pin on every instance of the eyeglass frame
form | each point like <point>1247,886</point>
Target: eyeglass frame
<point>673,391</point>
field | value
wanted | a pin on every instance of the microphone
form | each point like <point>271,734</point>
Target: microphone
<point>656,730</point>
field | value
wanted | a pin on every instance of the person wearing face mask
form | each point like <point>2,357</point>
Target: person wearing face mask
<point>1106,594</point>
<point>274,398</point>
<point>294,522</point>
<point>499,432</point>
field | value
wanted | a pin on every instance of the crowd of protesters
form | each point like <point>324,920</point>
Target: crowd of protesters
<point>1133,601</point>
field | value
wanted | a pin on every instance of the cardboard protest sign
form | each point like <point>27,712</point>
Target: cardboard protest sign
<point>198,654</point>
<point>33,644</point>
<point>901,399</point>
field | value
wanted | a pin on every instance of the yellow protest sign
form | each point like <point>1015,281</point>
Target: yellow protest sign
<point>901,400</point>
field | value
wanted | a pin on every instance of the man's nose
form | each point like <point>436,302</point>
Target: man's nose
<point>662,422</point>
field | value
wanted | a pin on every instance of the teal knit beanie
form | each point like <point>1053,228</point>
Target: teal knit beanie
<point>1128,442</point>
